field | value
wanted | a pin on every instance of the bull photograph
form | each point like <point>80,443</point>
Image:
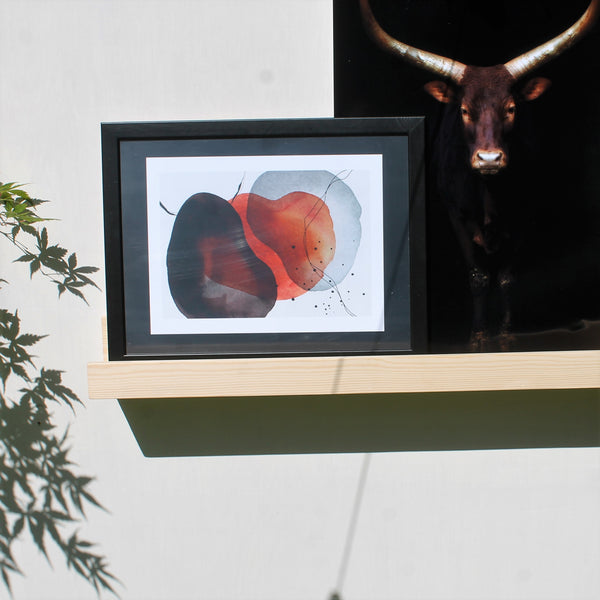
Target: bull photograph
<point>511,95</point>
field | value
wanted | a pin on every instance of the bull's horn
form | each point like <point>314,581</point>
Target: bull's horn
<point>440,65</point>
<point>535,58</point>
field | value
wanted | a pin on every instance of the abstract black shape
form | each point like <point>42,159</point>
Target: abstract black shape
<point>212,271</point>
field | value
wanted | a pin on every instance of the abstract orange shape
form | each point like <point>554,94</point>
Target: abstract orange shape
<point>299,229</point>
<point>286,288</point>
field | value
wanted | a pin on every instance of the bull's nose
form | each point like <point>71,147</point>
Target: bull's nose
<point>489,162</point>
<point>489,157</point>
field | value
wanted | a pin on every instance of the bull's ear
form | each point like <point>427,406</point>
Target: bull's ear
<point>535,87</point>
<point>441,91</point>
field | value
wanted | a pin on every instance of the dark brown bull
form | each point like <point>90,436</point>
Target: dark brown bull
<point>487,98</point>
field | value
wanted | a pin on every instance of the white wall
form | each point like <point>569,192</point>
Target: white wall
<point>445,525</point>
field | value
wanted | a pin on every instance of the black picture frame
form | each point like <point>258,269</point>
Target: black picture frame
<point>133,261</point>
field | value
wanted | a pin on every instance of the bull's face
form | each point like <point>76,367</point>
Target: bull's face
<point>486,95</point>
<point>487,104</point>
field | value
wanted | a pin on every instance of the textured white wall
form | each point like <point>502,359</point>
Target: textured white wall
<point>445,526</point>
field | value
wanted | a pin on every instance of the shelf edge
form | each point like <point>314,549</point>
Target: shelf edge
<point>281,376</point>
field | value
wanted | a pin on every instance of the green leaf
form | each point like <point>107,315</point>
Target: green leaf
<point>19,192</point>
<point>33,202</point>
<point>31,218</point>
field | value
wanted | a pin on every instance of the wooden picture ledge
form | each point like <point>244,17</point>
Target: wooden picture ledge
<point>376,374</point>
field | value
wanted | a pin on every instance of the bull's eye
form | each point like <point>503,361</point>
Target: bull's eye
<point>510,110</point>
<point>464,111</point>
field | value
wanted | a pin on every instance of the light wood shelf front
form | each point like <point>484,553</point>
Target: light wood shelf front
<point>376,374</point>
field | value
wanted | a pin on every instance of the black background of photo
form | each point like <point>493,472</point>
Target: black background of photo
<point>557,294</point>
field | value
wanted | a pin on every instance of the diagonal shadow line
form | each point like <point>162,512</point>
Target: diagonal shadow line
<point>362,481</point>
